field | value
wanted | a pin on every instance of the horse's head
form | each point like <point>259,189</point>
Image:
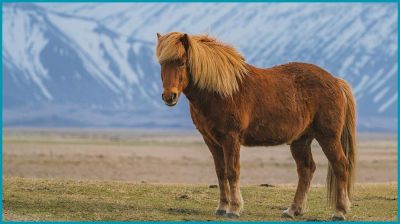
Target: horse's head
<point>172,55</point>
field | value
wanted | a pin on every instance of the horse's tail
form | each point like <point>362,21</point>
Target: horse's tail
<point>348,141</point>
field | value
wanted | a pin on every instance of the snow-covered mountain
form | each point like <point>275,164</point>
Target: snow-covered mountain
<point>90,64</point>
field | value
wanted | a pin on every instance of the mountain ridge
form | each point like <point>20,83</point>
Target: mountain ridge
<point>85,58</point>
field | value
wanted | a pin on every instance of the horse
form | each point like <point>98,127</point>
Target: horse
<point>233,103</point>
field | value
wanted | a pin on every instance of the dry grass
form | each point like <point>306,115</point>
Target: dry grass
<point>39,199</point>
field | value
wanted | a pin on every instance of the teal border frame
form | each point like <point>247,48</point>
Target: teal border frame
<point>227,1</point>
<point>188,1</point>
<point>206,1</point>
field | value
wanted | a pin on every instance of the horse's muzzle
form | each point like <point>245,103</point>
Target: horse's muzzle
<point>170,99</point>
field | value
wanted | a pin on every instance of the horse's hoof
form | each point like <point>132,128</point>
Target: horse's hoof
<point>231,215</point>
<point>338,216</point>
<point>220,212</point>
<point>288,214</point>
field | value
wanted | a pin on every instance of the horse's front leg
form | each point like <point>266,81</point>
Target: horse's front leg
<point>218,156</point>
<point>231,148</point>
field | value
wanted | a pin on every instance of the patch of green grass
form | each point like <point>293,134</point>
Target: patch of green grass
<point>36,199</point>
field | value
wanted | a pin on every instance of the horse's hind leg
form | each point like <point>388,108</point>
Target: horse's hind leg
<point>301,152</point>
<point>223,183</point>
<point>337,159</point>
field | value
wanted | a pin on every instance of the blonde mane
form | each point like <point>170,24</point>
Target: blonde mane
<point>214,66</point>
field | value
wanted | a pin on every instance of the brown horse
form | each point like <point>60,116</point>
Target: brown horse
<point>233,103</point>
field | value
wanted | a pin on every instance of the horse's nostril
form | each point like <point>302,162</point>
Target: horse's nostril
<point>174,96</point>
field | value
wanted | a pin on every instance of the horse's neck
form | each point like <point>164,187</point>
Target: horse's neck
<point>200,99</point>
<point>195,96</point>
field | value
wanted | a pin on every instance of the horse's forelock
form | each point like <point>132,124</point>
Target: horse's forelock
<point>170,47</point>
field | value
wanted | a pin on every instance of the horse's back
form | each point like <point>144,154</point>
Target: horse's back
<point>310,83</point>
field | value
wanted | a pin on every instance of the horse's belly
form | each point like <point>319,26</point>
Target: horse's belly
<point>251,140</point>
<point>272,133</point>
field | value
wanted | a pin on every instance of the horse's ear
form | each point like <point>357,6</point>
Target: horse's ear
<point>185,41</point>
<point>158,35</point>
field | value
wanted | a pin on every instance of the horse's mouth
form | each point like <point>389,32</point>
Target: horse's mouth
<point>171,104</point>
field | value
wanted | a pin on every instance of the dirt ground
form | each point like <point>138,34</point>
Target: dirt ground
<point>169,157</point>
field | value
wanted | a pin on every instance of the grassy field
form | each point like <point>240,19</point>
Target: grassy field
<point>40,199</point>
